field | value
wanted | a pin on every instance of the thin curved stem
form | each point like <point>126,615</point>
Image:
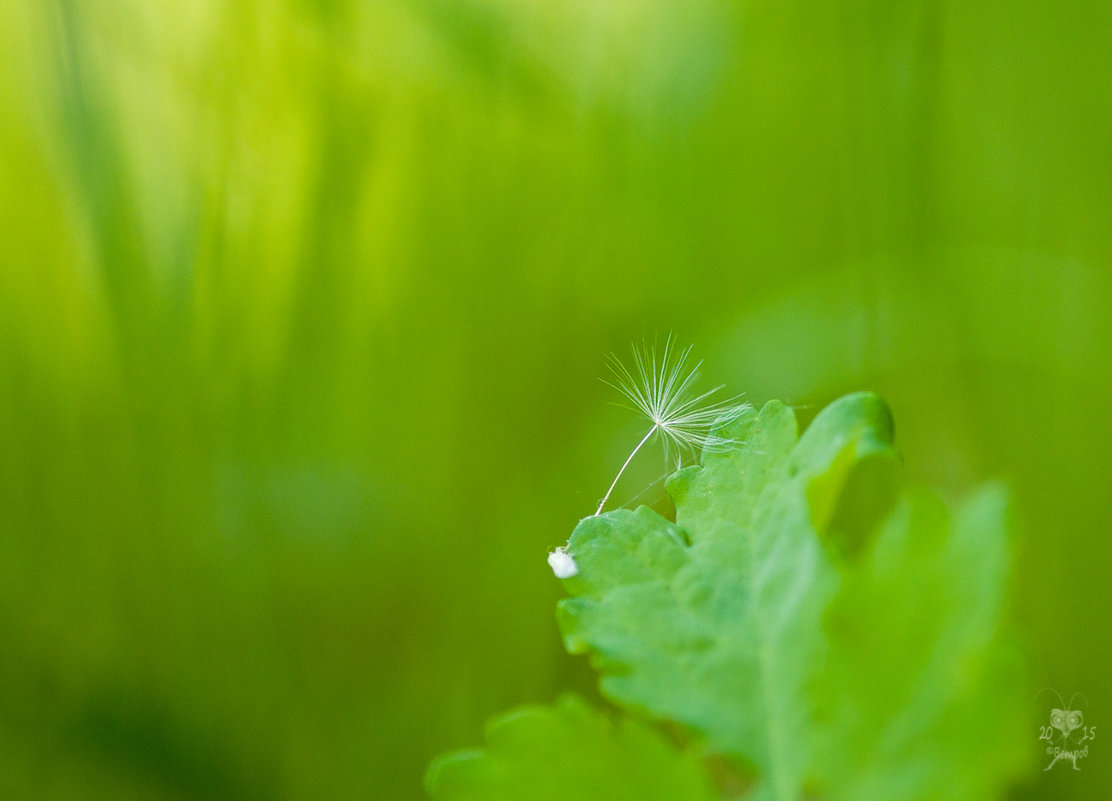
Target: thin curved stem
<point>629,459</point>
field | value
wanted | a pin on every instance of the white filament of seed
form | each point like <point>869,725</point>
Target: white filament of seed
<point>662,392</point>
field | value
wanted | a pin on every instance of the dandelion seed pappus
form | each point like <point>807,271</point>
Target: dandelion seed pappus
<point>662,390</point>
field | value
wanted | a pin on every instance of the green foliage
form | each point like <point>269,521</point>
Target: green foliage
<point>569,751</point>
<point>302,304</point>
<point>824,629</point>
<point>920,698</point>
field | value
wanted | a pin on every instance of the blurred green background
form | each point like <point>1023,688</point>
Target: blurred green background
<point>303,303</point>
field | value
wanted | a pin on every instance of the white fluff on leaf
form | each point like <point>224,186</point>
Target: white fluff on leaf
<point>562,563</point>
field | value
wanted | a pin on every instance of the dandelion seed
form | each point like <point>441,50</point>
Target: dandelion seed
<point>562,563</point>
<point>662,391</point>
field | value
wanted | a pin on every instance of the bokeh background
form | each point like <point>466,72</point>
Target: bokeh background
<point>303,305</point>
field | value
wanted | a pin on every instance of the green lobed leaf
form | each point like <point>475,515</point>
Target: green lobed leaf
<point>762,618</point>
<point>921,686</point>
<point>569,752</point>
